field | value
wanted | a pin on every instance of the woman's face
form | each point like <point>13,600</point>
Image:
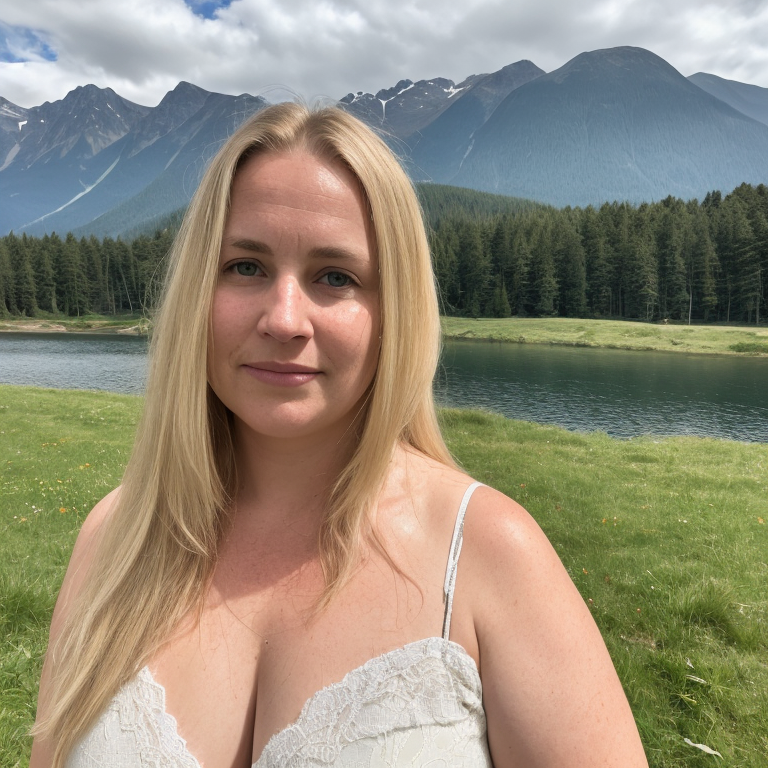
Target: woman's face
<point>295,320</point>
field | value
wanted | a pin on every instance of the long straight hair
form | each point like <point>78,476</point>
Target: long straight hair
<point>158,549</point>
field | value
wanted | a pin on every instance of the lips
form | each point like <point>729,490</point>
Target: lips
<point>281,374</point>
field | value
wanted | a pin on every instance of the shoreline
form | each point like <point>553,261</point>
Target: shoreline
<point>628,335</point>
<point>45,327</point>
<point>578,345</point>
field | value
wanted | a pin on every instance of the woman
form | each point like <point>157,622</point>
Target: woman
<point>275,583</point>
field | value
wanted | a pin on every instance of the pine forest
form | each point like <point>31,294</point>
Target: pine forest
<point>494,257</point>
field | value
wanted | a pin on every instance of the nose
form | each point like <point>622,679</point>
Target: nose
<point>285,314</point>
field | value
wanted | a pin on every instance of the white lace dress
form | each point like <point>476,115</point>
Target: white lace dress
<point>419,705</point>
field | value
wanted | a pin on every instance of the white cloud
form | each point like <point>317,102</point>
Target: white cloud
<point>142,48</point>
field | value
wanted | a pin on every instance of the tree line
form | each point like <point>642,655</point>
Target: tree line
<point>494,257</point>
<point>704,261</point>
<point>75,277</point>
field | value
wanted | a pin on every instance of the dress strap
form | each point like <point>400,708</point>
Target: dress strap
<point>453,560</point>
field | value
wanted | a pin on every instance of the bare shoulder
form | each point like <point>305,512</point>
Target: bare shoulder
<point>82,556</point>
<point>505,547</point>
<point>74,579</point>
<point>551,693</point>
<point>96,518</point>
<point>434,488</point>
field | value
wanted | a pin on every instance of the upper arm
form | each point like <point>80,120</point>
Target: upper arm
<point>550,691</point>
<point>74,579</point>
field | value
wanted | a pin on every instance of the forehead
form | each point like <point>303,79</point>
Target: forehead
<point>298,182</point>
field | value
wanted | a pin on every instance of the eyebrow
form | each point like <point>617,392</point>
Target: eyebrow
<point>247,244</point>
<point>326,252</point>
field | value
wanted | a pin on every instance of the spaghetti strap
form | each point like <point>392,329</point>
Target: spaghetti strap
<point>453,560</point>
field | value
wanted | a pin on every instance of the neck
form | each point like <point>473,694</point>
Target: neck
<point>288,480</point>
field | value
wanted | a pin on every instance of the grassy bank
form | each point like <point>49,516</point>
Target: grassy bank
<point>615,334</point>
<point>665,539</point>
<point>134,324</point>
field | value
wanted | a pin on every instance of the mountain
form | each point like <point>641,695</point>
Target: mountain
<point>406,107</point>
<point>438,150</point>
<point>12,120</point>
<point>175,162</point>
<point>94,154</point>
<point>57,152</point>
<point>752,100</point>
<point>616,124</point>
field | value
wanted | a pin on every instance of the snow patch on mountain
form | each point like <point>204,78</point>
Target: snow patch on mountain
<point>9,157</point>
<point>76,197</point>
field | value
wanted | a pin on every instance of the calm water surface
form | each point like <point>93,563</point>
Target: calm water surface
<point>622,393</point>
<point>74,361</point>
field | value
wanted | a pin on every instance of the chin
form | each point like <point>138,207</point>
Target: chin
<point>293,426</point>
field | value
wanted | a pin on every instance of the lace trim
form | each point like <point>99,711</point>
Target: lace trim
<point>427,682</point>
<point>139,707</point>
<point>430,682</point>
<point>156,729</point>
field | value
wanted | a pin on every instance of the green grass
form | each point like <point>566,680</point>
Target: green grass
<point>666,538</point>
<point>750,347</point>
<point>59,453</point>
<point>47,322</point>
<point>616,334</point>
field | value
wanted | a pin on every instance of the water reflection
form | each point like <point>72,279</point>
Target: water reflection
<point>74,361</point>
<point>622,393</point>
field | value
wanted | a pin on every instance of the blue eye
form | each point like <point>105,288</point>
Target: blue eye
<point>246,268</point>
<point>337,279</point>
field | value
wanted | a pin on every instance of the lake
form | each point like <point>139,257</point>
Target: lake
<point>116,363</point>
<point>622,393</point>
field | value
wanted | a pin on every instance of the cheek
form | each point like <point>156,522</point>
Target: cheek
<point>363,340</point>
<point>351,340</point>
<point>229,317</point>
<point>225,332</point>
<point>360,322</point>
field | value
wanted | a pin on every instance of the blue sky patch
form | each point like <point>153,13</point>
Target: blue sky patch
<point>207,8</point>
<point>18,44</point>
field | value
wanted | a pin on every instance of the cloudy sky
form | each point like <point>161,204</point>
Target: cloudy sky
<point>143,48</point>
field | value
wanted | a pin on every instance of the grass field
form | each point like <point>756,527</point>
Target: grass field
<point>616,334</point>
<point>666,540</point>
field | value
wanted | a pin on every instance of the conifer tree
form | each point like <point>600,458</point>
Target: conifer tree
<point>597,267</point>
<point>45,283</point>
<point>517,274</point>
<point>644,295</point>
<point>72,294</point>
<point>24,301</point>
<point>500,301</point>
<point>544,287</point>
<point>474,269</point>
<point>7,302</point>
<point>703,269</point>
<point>571,269</point>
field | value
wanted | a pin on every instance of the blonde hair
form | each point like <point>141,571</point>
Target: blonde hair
<point>159,546</point>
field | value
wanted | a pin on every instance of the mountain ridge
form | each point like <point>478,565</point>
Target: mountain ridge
<point>613,124</point>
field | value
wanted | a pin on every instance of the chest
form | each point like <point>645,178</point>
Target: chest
<point>416,705</point>
<point>245,670</point>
